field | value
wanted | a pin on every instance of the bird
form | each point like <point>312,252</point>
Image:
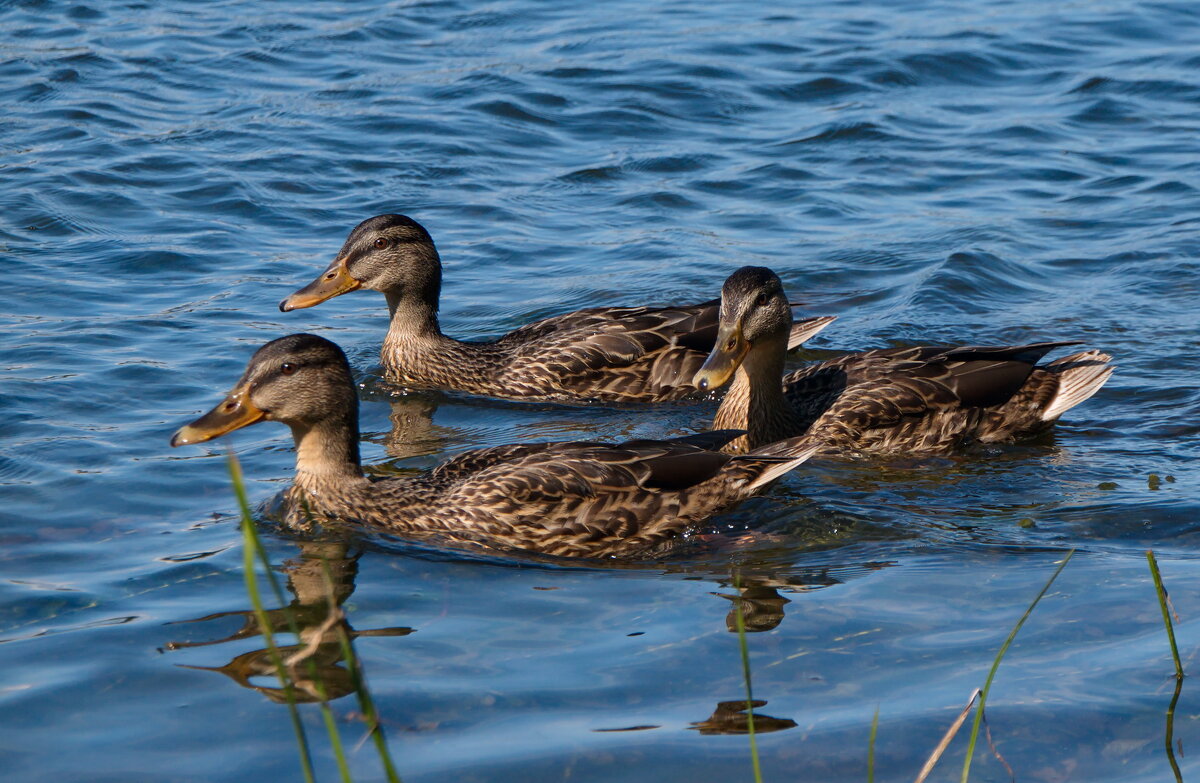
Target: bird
<point>900,401</point>
<point>600,354</point>
<point>569,499</point>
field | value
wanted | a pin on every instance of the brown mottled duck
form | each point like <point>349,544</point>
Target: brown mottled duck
<point>567,498</point>
<point>901,400</point>
<point>603,354</point>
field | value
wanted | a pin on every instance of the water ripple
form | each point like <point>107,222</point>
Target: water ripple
<point>969,173</point>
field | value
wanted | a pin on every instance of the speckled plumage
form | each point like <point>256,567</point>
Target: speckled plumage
<point>570,499</point>
<point>903,400</point>
<point>607,354</point>
<point>573,499</point>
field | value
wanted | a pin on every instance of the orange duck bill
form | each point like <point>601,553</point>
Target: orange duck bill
<point>718,368</point>
<point>234,412</point>
<point>334,281</point>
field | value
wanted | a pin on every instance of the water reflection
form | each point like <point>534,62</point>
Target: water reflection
<point>761,607</point>
<point>321,579</point>
<point>413,433</point>
<point>758,598</point>
<point>1170,731</point>
<point>730,717</point>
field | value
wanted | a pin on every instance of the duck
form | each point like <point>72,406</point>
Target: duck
<point>565,498</point>
<point>899,401</point>
<point>600,354</point>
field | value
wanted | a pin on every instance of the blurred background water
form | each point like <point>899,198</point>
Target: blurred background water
<point>1001,171</point>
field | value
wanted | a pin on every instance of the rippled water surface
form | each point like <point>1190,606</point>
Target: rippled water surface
<point>1007,171</point>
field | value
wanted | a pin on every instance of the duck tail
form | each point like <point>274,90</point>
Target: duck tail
<point>806,328</point>
<point>785,455</point>
<point>1080,375</point>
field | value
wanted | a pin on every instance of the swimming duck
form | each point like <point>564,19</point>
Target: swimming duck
<point>605,354</point>
<point>570,499</point>
<point>901,400</point>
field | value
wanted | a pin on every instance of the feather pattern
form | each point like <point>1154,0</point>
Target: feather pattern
<point>901,400</point>
<point>571,499</point>
<point>574,499</point>
<point>607,354</point>
<point>921,399</point>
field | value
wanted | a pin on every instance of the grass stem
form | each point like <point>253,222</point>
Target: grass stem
<point>249,554</point>
<point>254,550</point>
<point>740,623</point>
<point>358,681</point>
<point>1166,613</point>
<point>1169,733</point>
<point>987,686</point>
<point>871,747</point>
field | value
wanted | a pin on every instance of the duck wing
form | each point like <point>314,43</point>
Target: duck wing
<point>624,353</point>
<point>922,398</point>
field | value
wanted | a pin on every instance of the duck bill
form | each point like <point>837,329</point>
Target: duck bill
<point>729,352</point>
<point>334,281</point>
<point>235,412</point>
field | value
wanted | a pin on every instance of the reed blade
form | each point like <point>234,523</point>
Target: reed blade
<point>740,624</point>
<point>987,686</point>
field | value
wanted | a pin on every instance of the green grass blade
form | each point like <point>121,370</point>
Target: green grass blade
<point>1166,612</point>
<point>365,702</point>
<point>741,632</point>
<point>1169,733</point>
<point>255,550</point>
<point>871,747</point>
<point>249,553</point>
<point>996,665</point>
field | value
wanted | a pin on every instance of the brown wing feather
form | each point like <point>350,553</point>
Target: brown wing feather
<point>618,353</point>
<point>623,353</point>
<point>924,397</point>
<point>591,489</point>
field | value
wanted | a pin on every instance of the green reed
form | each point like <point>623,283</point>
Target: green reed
<point>871,747</point>
<point>365,702</point>
<point>1166,612</point>
<point>253,550</point>
<point>250,551</point>
<point>740,624</point>
<point>1179,675</point>
<point>987,686</point>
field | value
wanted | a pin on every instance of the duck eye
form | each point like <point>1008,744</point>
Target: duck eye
<point>381,243</point>
<point>288,368</point>
<point>761,300</point>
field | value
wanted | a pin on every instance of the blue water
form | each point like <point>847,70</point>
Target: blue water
<point>1005,171</point>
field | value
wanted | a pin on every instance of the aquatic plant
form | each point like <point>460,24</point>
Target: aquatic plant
<point>1163,600</point>
<point>740,625</point>
<point>978,697</point>
<point>253,551</point>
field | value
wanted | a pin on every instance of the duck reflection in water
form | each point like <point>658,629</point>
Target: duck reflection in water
<point>730,718</point>
<point>758,597</point>
<point>413,433</point>
<point>320,580</point>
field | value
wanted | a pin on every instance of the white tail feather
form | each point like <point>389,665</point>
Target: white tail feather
<point>806,328</point>
<point>1080,376</point>
<point>778,469</point>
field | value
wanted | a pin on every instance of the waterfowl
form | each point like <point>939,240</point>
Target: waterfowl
<point>606,354</point>
<point>566,498</point>
<point>900,400</point>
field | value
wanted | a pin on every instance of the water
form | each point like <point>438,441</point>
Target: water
<point>1003,171</point>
